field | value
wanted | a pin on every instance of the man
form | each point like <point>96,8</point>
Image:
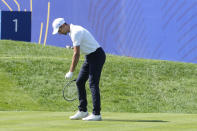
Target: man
<point>84,42</point>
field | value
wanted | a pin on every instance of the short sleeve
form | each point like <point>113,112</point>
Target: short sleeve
<point>77,38</point>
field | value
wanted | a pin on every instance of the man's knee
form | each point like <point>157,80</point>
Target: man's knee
<point>80,82</point>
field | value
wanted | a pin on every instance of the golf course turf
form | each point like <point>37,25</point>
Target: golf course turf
<point>136,94</point>
<point>57,121</point>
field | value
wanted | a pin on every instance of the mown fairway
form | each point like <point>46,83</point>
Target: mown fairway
<point>55,121</point>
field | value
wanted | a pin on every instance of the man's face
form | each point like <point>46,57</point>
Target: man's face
<point>63,29</point>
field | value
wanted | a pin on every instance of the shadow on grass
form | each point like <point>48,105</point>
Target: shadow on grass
<point>122,120</point>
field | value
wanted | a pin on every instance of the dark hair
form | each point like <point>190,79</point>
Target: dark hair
<point>65,23</point>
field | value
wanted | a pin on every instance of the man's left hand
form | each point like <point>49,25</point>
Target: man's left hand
<point>69,75</point>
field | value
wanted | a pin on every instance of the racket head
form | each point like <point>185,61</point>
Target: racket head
<point>70,92</point>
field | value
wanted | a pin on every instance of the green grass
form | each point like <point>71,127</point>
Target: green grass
<point>136,94</point>
<point>58,121</point>
<point>32,78</point>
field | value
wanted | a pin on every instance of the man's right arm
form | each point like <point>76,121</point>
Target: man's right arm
<point>75,58</point>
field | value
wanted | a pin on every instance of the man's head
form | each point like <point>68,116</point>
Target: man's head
<point>60,26</point>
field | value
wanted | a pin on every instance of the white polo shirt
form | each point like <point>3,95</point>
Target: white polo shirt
<point>83,38</point>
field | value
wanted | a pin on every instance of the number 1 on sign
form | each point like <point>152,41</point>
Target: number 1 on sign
<point>16,24</point>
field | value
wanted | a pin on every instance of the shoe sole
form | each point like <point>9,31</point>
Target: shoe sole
<point>92,120</point>
<point>78,118</point>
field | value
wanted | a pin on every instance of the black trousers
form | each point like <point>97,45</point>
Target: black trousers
<point>91,69</point>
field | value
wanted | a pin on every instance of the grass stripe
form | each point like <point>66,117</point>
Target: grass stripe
<point>47,121</point>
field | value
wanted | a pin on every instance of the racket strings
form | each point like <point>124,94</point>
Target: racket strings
<point>70,91</point>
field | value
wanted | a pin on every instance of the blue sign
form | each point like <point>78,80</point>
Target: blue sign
<point>16,25</point>
<point>149,29</point>
<point>0,25</point>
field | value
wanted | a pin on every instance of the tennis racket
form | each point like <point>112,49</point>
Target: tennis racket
<point>70,90</point>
